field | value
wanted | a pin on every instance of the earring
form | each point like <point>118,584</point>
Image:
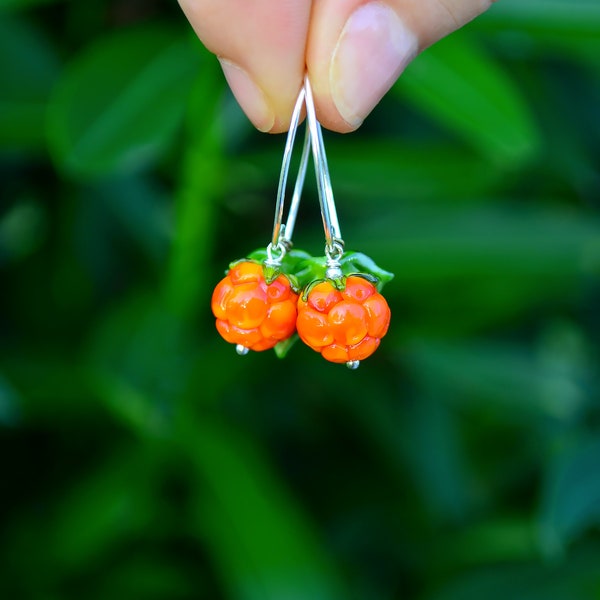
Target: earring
<point>255,304</point>
<point>277,294</point>
<point>342,315</point>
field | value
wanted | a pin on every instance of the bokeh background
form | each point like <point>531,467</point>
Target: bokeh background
<point>143,459</point>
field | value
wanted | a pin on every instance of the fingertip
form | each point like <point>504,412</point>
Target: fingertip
<point>249,95</point>
<point>329,116</point>
<point>284,117</point>
<point>357,49</point>
<point>354,63</point>
<point>372,50</point>
<point>260,45</point>
<point>268,112</point>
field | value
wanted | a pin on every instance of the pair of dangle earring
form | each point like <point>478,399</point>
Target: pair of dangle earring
<point>279,294</point>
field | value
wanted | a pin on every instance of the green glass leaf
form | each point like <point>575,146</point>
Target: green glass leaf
<point>28,68</point>
<point>118,104</point>
<point>359,263</point>
<point>462,87</point>
<point>311,269</point>
<point>292,264</point>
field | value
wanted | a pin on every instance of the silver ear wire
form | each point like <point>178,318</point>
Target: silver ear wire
<point>334,244</point>
<point>288,230</point>
<point>281,240</point>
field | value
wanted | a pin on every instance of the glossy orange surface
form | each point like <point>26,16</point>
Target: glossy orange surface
<point>250,312</point>
<point>343,326</point>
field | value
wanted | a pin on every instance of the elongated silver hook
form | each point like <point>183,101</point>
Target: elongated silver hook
<point>276,249</point>
<point>333,234</point>
<point>288,229</point>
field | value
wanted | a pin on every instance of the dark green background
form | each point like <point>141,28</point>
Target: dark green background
<point>143,459</point>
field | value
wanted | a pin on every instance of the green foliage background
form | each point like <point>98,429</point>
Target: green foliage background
<point>141,458</point>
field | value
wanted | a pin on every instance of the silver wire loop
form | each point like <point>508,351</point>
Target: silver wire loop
<point>285,168</point>
<point>330,220</point>
<point>335,250</point>
<point>281,240</point>
<point>288,229</point>
<point>275,253</point>
<point>333,255</point>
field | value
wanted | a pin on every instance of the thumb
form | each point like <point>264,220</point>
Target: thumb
<point>356,49</point>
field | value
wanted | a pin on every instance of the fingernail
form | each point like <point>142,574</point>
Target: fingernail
<point>249,96</point>
<point>371,52</point>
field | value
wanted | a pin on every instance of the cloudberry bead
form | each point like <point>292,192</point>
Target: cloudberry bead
<point>252,313</point>
<point>344,326</point>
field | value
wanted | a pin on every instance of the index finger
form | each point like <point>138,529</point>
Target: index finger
<point>261,47</point>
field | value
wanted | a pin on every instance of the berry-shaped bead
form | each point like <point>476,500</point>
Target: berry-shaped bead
<point>344,326</point>
<point>251,313</point>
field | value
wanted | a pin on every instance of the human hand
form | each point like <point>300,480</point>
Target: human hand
<point>353,50</point>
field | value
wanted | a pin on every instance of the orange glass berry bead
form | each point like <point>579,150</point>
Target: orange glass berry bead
<point>250,313</point>
<point>344,326</point>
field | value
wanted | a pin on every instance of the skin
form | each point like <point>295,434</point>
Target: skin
<point>267,46</point>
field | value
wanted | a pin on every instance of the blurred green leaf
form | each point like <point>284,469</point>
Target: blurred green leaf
<point>140,206</point>
<point>268,550</point>
<point>21,231</point>
<point>138,334</point>
<point>469,267</point>
<point>28,68</point>
<point>147,576</point>
<point>145,459</point>
<point>145,368</point>
<point>110,505</point>
<point>119,103</point>
<point>570,501</point>
<point>576,579</point>
<point>460,85</point>
<point>390,170</point>
<point>407,173</point>
<point>10,408</point>
<point>202,178</point>
<point>560,18</point>
<point>305,269</point>
<point>500,379</point>
<point>7,5</point>
<point>437,460</point>
<point>499,539</point>
<point>49,385</point>
<point>419,245</point>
